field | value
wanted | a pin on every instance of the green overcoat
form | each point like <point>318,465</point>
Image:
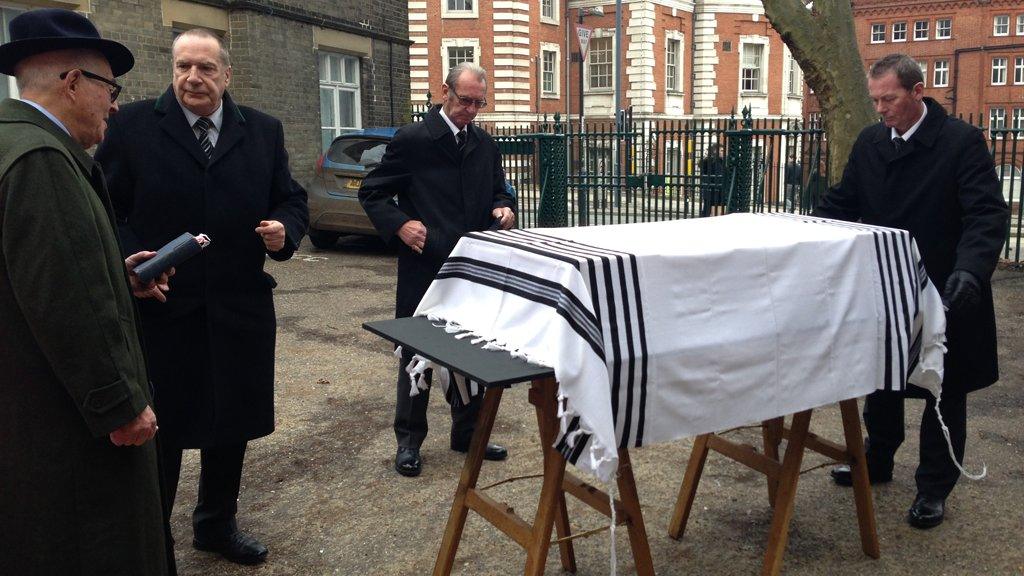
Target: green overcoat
<point>71,369</point>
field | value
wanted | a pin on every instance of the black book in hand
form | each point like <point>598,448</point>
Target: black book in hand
<point>170,255</point>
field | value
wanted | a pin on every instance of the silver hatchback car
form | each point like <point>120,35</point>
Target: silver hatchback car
<point>334,207</point>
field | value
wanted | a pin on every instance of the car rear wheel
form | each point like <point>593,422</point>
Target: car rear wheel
<point>322,239</point>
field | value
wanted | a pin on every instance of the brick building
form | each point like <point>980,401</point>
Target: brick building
<point>680,58</point>
<point>320,66</point>
<point>971,52</point>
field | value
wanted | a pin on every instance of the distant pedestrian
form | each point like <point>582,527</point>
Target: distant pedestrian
<point>712,185</point>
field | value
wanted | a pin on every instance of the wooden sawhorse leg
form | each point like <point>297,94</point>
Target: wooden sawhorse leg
<point>551,509</point>
<point>783,476</point>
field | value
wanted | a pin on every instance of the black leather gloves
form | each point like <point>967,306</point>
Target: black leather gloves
<point>963,291</point>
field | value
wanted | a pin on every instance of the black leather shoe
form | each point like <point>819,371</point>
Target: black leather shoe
<point>239,548</point>
<point>494,452</point>
<point>842,476</point>
<point>926,511</point>
<point>407,461</point>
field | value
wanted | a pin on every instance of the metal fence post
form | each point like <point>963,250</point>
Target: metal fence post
<point>738,166</point>
<point>553,209</point>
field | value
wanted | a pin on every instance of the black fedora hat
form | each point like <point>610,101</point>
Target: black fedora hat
<point>39,31</point>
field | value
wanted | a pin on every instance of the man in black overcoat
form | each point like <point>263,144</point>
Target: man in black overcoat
<point>446,176</point>
<point>932,175</point>
<point>194,161</point>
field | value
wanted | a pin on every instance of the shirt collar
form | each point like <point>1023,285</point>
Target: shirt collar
<point>448,121</point>
<point>217,118</point>
<point>910,131</point>
<point>47,113</point>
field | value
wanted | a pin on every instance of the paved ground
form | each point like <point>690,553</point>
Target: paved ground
<point>321,493</point>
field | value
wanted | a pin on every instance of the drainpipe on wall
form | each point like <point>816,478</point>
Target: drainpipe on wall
<point>956,66</point>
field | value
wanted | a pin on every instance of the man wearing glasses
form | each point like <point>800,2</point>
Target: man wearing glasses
<point>446,175</point>
<point>195,161</point>
<point>80,490</point>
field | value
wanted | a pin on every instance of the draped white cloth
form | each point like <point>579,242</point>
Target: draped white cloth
<point>664,330</point>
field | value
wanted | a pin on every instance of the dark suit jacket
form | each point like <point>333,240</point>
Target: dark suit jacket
<point>211,345</point>
<point>451,193</point>
<point>942,187</point>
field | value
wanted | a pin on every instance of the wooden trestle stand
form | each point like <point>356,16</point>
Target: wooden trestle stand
<point>783,475</point>
<point>496,372</point>
<point>499,371</point>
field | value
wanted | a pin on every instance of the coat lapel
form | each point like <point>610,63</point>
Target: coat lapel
<point>174,123</point>
<point>231,130</point>
<point>440,134</point>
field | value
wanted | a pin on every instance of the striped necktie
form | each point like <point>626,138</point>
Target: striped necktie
<point>898,143</point>
<point>461,137</point>
<point>203,126</point>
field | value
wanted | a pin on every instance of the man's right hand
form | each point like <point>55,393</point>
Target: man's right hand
<point>414,234</point>
<point>138,431</point>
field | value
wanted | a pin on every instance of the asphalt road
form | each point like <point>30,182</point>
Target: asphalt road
<point>321,493</point>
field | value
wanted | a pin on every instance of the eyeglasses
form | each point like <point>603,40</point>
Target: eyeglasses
<point>113,87</point>
<point>467,102</point>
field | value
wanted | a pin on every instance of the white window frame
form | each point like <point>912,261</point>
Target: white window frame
<point>1020,24</point>
<point>1017,122</point>
<point>1001,22</point>
<point>998,76</point>
<point>761,89</point>
<point>557,75</point>
<point>899,28</point>
<point>794,77</point>
<point>996,118</point>
<point>553,19</point>
<point>447,43</point>
<point>600,35</point>
<point>918,30</point>
<point>473,12</point>
<point>337,86</point>
<point>676,37</point>
<point>940,67</point>
<point>924,72</point>
<point>878,33</point>
<point>6,14</point>
<point>939,29</point>
<point>1018,70</point>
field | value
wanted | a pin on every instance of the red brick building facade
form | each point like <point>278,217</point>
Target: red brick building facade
<point>971,53</point>
<point>679,58</point>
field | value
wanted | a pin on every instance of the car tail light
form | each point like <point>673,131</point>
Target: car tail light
<point>320,164</point>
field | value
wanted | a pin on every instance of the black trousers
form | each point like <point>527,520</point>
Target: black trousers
<point>411,413</point>
<point>936,474</point>
<point>220,476</point>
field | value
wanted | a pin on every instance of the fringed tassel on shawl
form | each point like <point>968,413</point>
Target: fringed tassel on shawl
<point>949,444</point>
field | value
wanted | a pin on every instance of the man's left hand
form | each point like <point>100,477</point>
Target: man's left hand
<point>505,217</point>
<point>272,232</point>
<point>963,291</point>
<point>156,287</point>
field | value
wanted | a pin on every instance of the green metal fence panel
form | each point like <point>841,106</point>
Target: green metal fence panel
<point>644,171</point>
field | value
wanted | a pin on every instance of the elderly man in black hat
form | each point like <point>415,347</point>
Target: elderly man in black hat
<point>80,491</point>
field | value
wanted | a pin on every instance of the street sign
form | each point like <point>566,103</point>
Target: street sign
<point>583,34</point>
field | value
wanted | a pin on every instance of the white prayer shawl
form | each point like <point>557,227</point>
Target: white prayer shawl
<point>664,330</point>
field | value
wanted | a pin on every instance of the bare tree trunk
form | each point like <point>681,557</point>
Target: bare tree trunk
<point>823,41</point>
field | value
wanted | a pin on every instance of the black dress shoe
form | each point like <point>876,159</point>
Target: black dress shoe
<point>494,452</point>
<point>239,548</point>
<point>407,461</point>
<point>842,476</point>
<point>926,511</point>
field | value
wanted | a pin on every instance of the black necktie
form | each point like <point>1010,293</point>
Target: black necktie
<point>898,143</point>
<point>203,126</point>
<point>461,137</point>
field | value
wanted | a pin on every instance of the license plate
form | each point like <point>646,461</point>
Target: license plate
<point>353,184</point>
